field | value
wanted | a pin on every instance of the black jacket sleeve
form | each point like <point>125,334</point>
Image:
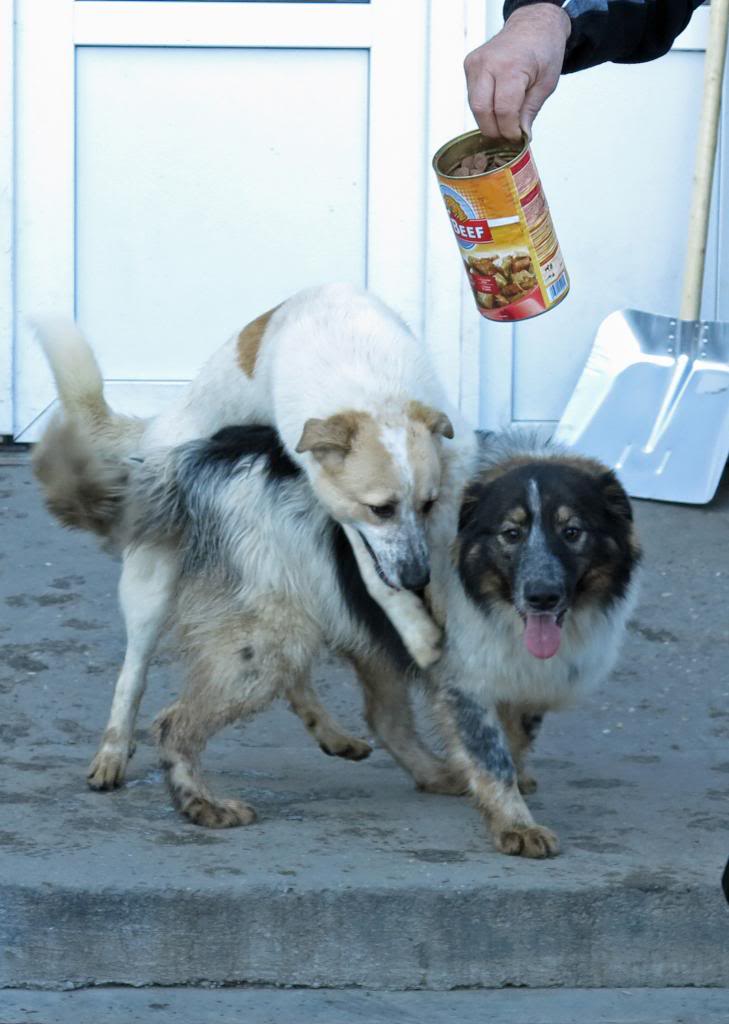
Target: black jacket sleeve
<point>624,31</point>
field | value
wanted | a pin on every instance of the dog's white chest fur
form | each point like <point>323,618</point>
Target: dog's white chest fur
<point>486,656</point>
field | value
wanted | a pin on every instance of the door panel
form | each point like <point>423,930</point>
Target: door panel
<point>196,212</point>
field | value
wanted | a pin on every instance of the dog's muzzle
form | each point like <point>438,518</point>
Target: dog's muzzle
<point>415,576</point>
<point>411,573</point>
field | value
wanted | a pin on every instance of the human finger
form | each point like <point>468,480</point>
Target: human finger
<point>481,101</point>
<point>509,94</point>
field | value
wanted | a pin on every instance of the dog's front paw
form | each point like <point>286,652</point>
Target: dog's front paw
<point>108,768</point>
<point>526,841</point>
<point>424,642</point>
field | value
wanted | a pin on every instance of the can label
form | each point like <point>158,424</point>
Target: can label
<point>504,230</point>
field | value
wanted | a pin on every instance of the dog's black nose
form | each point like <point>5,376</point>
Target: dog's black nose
<point>415,577</point>
<point>542,597</point>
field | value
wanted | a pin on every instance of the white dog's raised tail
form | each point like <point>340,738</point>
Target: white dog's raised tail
<point>75,370</point>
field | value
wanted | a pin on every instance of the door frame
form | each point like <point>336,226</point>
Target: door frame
<point>7,157</point>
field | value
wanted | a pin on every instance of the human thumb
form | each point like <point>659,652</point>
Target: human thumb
<point>533,103</point>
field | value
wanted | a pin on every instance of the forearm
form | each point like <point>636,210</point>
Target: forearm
<point>622,31</point>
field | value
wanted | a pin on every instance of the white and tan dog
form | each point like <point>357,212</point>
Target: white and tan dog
<point>354,399</point>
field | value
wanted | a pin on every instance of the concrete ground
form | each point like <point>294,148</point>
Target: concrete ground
<point>350,878</point>
<point>355,1006</point>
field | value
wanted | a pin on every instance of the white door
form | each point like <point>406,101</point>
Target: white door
<point>183,166</point>
<point>615,149</point>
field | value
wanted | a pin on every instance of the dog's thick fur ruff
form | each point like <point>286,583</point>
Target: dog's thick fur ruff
<point>355,401</point>
<point>251,526</point>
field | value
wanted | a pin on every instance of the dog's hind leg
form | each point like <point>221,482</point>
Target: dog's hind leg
<point>182,732</point>
<point>327,732</point>
<point>521,724</point>
<point>146,589</point>
<point>389,714</point>
<point>238,663</point>
<point>479,745</point>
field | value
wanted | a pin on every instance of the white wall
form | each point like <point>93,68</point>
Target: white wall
<point>615,149</point>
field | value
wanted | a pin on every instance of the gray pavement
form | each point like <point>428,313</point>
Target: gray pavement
<point>354,1006</point>
<point>350,877</point>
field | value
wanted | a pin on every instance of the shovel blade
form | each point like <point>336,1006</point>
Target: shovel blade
<point>653,403</point>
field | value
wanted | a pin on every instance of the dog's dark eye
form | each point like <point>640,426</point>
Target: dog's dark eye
<point>427,506</point>
<point>572,534</point>
<point>512,535</point>
<point>383,511</point>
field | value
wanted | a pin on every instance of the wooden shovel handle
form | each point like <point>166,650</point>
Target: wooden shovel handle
<point>705,157</point>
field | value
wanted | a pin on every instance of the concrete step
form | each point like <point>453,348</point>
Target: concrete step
<point>355,1006</point>
<point>350,878</point>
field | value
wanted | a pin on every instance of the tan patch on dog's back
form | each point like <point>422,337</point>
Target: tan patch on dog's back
<point>249,342</point>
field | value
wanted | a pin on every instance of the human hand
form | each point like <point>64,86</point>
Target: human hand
<point>511,75</point>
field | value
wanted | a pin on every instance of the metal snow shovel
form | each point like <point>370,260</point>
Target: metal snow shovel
<point>653,399</point>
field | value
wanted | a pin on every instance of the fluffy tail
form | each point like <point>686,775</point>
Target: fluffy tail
<point>75,370</point>
<point>81,460</point>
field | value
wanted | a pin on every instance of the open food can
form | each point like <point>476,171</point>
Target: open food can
<point>503,227</point>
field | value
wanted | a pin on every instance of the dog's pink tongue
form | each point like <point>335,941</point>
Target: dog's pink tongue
<point>542,635</point>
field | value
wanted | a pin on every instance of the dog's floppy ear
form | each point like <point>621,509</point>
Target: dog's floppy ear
<point>620,514</point>
<point>617,502</point>
<point>437,422</point>
<point>468,505</point>
<point>332,436</point>
<point>463,540</point>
